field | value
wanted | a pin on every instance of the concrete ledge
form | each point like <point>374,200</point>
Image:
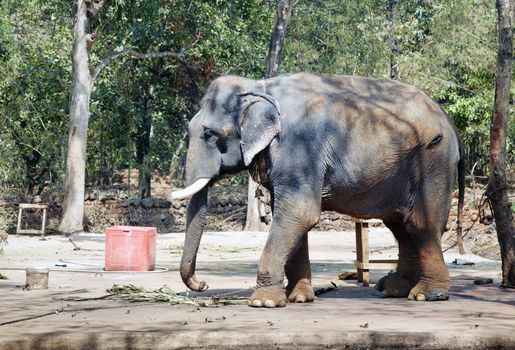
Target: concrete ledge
<point>220,339</point>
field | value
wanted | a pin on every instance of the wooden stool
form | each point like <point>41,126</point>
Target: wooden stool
<point>43,223</point>
<point>363,263</point>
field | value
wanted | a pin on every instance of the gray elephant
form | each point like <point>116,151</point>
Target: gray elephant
<point>370,148</point>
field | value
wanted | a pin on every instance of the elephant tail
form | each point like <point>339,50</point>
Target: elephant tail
<point>461,196</point>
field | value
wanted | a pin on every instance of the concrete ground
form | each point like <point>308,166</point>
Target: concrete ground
<point>352,316</point>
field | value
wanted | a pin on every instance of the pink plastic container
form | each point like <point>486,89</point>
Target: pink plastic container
<point>130,248</point>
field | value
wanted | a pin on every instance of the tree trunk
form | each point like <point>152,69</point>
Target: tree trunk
<point>497,189</point>
<point>284,9</point>
<point>178,163</point>
<point>143,148</point>
<point>79,119</point>
<point>394,74</point>
<point>82,83</point>
<point>253,221</point>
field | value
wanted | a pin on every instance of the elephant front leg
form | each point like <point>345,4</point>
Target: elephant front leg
<point>290,224</point>
<point>298,273</point>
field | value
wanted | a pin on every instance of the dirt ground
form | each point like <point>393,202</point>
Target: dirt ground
<point>349,316</point>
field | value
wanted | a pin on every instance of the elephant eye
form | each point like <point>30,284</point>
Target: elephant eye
<point>210,135</point>
<point>221,145</point>
<point>215,138</point>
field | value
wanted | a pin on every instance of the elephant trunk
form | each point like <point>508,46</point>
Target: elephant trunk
<point>196,219</point>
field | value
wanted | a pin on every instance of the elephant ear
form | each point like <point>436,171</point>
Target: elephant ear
<point>260,122</point>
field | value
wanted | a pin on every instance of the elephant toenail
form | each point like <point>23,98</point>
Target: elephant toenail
<point>300,298</point>
<point>282,303</point>
<point>256,303</point>
<point>269,303</point>
<point>421,297</point>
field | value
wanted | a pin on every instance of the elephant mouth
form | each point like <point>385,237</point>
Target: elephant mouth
<point>192,189</point>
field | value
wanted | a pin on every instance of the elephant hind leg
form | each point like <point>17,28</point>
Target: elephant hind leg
<point>434,283</point>
<point>298,273</point>
<point>426,225</point>
<point>420,251</point>
<point>421,273</point>
<point>407,275</point>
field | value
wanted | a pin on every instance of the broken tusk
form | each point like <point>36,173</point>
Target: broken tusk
<point>191,189</point>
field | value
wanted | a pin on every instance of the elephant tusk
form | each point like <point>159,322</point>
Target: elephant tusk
<point>191,189</point>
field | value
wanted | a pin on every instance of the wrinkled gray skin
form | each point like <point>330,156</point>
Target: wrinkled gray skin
<point>364,147</point>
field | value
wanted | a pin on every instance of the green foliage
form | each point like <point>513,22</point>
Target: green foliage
<point>456,62</point>
<point>7,217</point>
<point>216,37</point>
<point>34,91</point>
<point>448,48</point>
<point>338,37</point>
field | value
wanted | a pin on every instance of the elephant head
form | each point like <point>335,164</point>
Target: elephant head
<point>234,124</point>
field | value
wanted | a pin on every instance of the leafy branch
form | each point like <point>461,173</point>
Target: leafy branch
<point>135,54</point>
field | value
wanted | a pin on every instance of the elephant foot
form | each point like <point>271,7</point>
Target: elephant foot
<point>302,292</point>
<point>272,296</point>
<point>426,290</point>
<point>394,285</point>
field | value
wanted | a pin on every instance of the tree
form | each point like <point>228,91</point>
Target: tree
<point>394,74</point>
<point>256,195</point>
<point>82,83</point>
<point>284,10</point>
<point>143,143</point>
<point>83,39</point>
<point>497,189</point>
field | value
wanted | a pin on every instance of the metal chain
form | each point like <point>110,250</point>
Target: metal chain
<point>63,310</point>
<point>29,318</point>
<point>219,296</point>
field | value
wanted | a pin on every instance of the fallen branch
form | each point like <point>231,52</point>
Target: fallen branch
<point>232,214</point>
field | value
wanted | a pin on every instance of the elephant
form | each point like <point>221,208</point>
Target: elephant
<point>369,148</point>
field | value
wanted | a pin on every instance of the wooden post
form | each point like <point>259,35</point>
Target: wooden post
<point>363,263</point>
<point>362,253</point>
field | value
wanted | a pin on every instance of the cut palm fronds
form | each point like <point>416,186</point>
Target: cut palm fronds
<point>132,293</point>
